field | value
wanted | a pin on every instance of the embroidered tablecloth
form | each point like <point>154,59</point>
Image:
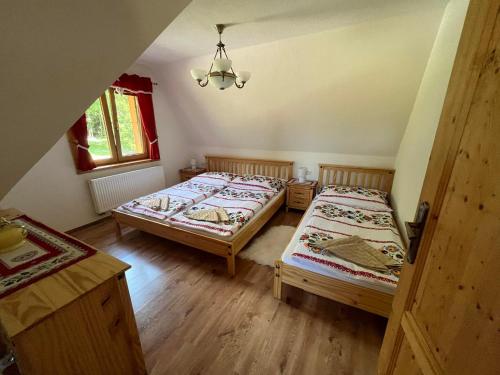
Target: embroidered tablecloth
<point>44,252</point>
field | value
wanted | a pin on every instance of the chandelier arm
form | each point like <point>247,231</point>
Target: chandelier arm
<point>239,86</point>
<point>216,52</point>
<point>211,65</point>
<point>227,57</point>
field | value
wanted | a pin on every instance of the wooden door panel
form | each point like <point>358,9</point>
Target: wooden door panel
<point>457,302</point>
<point>406,363</point>
<point>446,314</point>
<point>473,47</point>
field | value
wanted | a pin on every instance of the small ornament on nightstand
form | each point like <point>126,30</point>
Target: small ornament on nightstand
<point>302,173</point>
<point>193,164</point>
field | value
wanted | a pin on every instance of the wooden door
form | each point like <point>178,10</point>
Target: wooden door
<point>446,313</point>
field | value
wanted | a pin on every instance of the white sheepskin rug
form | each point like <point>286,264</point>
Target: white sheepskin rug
<point>269,246</point>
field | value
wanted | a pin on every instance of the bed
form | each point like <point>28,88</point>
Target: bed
<point>178,197</point>
<point>359,289</point>
<point>228,246</point>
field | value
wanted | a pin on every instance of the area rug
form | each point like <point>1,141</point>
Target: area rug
<point>269,246</point>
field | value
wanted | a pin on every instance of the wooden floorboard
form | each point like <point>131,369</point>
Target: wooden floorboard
<point>194,319</point>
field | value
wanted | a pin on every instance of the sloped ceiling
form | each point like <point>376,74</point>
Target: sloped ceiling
<point>348,90</point>
<point>254,22</point>
<point>56,58</point>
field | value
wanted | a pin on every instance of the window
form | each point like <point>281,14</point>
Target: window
<point>119,127</point>
<point>115,132</point>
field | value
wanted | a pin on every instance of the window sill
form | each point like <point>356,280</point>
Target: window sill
<point>118,165</point>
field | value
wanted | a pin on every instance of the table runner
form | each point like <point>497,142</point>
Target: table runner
<point>44,252</point>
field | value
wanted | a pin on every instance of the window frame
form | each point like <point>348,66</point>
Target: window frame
<point>112,127</point>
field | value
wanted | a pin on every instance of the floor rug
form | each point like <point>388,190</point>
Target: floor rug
<point>269,246</point>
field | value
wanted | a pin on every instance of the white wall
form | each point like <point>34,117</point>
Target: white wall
<point>342,96</point>
<point>416,145</point>
<point>53,192</point>
<point>56,57</point>
<point>347,91</point>
<point>300,158</point>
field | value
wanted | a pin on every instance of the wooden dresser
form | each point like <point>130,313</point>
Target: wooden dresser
<point>78,320</point>
<point>300,195</point>
<point>187,173</point>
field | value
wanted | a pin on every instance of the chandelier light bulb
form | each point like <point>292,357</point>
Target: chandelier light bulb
<point>198,74</point>
<point>243,76</point>
<point>222,65</point>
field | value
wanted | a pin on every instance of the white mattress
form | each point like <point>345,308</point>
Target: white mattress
<point>229,238</point>
<point>287,258</point>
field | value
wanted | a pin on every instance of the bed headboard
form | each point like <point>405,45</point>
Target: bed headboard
<point>372,178</point>
<point>272,168</point>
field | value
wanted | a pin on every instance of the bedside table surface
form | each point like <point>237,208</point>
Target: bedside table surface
<point>308,184</point>
<point>191,170</point>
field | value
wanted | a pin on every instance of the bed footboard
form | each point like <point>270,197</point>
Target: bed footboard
<point>367,299</point>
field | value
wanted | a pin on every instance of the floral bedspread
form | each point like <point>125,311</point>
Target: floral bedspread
<point>240,204</point>
<point>180,196</point>
<point>330,220</point>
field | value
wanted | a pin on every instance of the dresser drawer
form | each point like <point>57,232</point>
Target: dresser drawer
<point>299,199</point>
<point>300,195</point>
<point>298,203</point>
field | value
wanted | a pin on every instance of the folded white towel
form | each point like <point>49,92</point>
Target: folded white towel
<point>213,215</point>
<point>156,204</point>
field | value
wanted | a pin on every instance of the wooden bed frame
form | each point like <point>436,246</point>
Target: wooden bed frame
<point>223,248</point>
<point>361,297</point>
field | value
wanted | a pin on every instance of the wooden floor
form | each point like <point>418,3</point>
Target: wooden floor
<point>194,319</point>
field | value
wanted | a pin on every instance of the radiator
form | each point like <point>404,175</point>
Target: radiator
<point>111,191</point>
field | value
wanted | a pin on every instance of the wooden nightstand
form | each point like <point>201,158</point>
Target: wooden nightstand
<point>187,173</point>
<point>300,195</point>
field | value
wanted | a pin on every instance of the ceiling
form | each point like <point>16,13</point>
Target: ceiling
<point>253,22</point>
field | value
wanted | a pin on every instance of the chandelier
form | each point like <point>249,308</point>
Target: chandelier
<point>221,73</point>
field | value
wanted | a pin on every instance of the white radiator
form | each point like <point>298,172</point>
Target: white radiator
<point>111,191</point>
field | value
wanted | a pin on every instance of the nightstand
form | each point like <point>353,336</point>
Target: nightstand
<point>187,173</point>
<point>300,195</point>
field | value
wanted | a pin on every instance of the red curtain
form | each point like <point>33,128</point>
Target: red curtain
<point>148,122</point>
<point>142,87</point>
<point>134,83</point>
<point>84,160</point>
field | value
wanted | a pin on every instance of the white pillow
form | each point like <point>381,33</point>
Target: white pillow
<point>356,196</point>
<point>214,178</point>
<point>257,182</point>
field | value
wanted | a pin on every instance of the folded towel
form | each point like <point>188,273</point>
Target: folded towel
<point>213,215</point>
<point>203,215</point>
<point>157,204</point>
<point>355,250</point>
<point>221,212</point>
